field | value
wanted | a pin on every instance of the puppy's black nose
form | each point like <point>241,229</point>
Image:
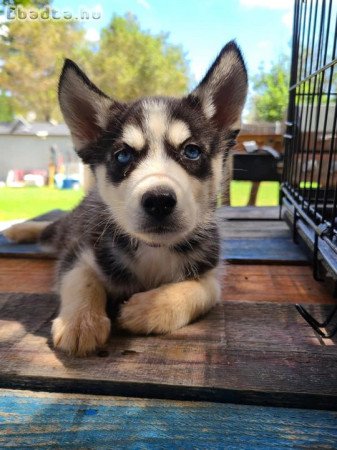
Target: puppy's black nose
<point>159,203</point>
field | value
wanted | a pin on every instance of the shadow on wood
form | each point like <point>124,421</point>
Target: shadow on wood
<point>240,352</point>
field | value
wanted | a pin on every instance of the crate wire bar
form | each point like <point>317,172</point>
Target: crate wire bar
<point>309,186</point>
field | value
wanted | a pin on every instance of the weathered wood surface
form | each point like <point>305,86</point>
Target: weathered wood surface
<point>7,248</point>
<point>29,419</point>
<point>10,249</point>
<point>250,241</point>
<point>253,229</point>
<point>264,251</point>
<point>26,275</point>
<point>240,352</point>
<point>248,212</point>
<point>251,283</point>
<point>273,283</point>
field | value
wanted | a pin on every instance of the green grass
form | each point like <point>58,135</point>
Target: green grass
<point>307,184</point>
<point>268,194</point>
<point>24,203</point>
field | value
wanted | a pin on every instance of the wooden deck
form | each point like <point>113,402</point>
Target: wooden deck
<point>45,420</point>
<point>205,386</point>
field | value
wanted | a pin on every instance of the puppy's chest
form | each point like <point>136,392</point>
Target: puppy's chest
<point>154,266</point>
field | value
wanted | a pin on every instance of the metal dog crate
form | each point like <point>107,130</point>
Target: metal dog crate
<point>309,186</point>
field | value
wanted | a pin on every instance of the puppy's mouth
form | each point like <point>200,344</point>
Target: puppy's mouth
<point>161,229</point>
<point>160,234</point>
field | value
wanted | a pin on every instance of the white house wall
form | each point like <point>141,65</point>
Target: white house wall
<point>24,152</point>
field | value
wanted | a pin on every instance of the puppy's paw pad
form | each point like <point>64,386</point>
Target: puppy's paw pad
<point>82,335</point>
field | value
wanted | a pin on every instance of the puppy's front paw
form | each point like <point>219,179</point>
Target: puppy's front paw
<point>80,335</point>
<point>154,311</point>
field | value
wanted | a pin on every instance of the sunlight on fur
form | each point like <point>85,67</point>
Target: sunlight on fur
<point>146,234</point>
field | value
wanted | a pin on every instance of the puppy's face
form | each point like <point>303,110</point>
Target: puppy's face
<point>158,173</point>
<point>158,161</point>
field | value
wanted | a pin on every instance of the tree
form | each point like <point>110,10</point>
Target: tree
<point>127,63</point>
<point>6,110</point>
<point>24,3</point>
<point>271,92</point>
<point>32,52</point>
<point>131,62</point>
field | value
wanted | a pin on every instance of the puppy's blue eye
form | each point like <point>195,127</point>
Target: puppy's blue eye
<point>124,156</point>
<point>192,152</point>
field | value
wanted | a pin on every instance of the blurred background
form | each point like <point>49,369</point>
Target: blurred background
<point>130,48</point>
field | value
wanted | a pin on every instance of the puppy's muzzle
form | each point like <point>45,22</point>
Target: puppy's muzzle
<point>159,203</point>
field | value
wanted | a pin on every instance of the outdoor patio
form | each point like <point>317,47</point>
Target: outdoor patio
<point>254,348</point>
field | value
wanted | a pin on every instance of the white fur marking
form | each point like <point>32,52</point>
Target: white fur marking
<point>208,108</point>
<point>178,132</point>
<point>156,119</point>
<point>155,266</point>
<point>218,174</point>
<point>133,136</point>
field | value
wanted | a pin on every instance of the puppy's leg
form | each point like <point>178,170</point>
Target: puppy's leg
<point>82,324</point>
<point>26,231</point>
<point>170,306</point>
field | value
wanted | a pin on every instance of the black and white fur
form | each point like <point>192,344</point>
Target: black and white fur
<point>145,237</point>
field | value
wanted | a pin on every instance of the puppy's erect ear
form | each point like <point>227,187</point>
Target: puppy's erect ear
<point>223,90</point>
<point>84,107</point>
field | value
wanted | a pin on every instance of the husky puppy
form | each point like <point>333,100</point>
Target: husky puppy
<point>145,237</point>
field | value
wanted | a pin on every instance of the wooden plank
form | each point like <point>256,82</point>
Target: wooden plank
<point>263,251</point>
<point>29,419</point>
<point>251,283</point>
<point>248,250</point>
<point>253,241</point>
<point>7,248</point>
<point>10,249</point>
<point>249,241</point>
<point>253,229</point>
<point>248,212</point>
<point>26,275</point>
<point>240,353</point>
<point>266,283</point>
<point>242,240</point>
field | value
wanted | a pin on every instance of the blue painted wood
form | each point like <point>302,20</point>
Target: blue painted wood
<point>280,249</point>
<point>267,249</point>
<point>248,212</point>
<point>8,248</point>
<point>46,420</point>
<point>242,240</point>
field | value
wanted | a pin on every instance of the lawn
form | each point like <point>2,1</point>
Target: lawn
<point>268,194</point>
<point>23,203</point>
